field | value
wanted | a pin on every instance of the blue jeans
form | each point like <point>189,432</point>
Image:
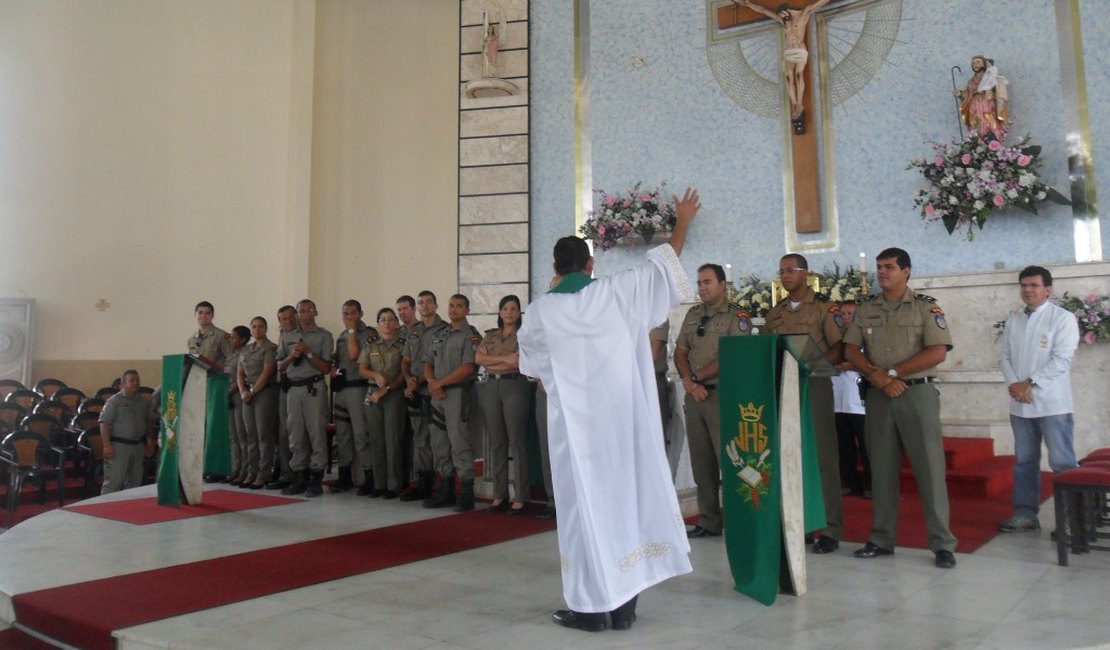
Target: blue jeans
<point>1056,431</point>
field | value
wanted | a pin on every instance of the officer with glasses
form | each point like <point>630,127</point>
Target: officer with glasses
<point>695,358</point>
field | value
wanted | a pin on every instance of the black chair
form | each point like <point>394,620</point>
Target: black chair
<point>91,405</point>
<point>71,397</point>
<point>51,428</point>
<point>48,386</point>
<point>54,409</point>
<point>8,385</point>
<point>11,414</point>
<point>25,398</point>
<point>91,448</point>
<point>84,420</point>
<point>105,392</point>
<point>27,454</point>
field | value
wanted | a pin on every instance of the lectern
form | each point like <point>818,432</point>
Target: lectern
<point>194,428</point>
<point>770,481</point>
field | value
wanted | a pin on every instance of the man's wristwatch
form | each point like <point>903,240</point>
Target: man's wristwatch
<point>892,373</point>
<point>309,355</point>
<point>694,377</point>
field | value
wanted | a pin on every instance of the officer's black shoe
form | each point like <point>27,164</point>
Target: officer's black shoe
<point>547,513</point>
<point>423,488</point>
<point>465,502</point>
<point>344,482</point>
<point>698,532</point>
<point>299,484</point>
<point>444,496</point>
<point>870,550</point>
<point>945,559</point>
<point>624,616</point>
<point>367,483</point>
<point>214,478</point>
<point>825,544</point>
<point>389,494</point>
<point>278,484</point>
<point>315,485</point>
<point>579,620</point>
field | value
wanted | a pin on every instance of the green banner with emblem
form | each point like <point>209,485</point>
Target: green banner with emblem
<point>217,442</point>
<point>173,371</point>
<point>751,458</point>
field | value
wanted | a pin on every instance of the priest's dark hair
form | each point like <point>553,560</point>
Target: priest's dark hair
<point>898,255</point>
<point>571,255</point>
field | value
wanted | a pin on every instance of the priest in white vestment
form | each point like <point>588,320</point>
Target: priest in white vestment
<point>620,527</point>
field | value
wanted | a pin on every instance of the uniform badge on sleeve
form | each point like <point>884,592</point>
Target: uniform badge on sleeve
<point>743,321</point>
<point>838,316</point>
<point>938,316</point>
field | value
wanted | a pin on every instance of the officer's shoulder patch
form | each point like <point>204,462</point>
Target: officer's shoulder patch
<point>834,308</point>
<point>743,321</point>
<point>691,311</point>
<point>924,298</point>
<point>936,310</point>
<point>491,330</point>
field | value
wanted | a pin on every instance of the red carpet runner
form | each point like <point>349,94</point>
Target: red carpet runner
<point>85,614</point>
<point>147,511</point>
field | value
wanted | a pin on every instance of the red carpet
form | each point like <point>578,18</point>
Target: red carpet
<point>85,614</point>
<point>147,511</point>
<point>973,520</point>
<point>13,639</point>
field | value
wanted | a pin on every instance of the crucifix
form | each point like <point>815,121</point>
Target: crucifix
<point>795,23</point>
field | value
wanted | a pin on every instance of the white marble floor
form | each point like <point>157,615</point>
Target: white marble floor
<point>1009,594</point>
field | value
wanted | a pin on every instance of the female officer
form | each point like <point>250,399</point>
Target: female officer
<point>260,404</point>
<point>238,337</point>
<point>380,364</point>
<point>507,406</point>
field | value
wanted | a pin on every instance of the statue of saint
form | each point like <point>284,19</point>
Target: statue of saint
<point>795,54</point>
<point>490,44</point>
<point>984,104</point>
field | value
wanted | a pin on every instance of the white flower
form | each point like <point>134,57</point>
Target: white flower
<point>986,175</point>
<point>1041,196</point>
<point>1025,180</point>
<point>978,205</point>
<point>1011,193</point>
<point>953,200</point>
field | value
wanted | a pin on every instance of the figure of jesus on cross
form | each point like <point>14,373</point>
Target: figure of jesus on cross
<point>795,54</point>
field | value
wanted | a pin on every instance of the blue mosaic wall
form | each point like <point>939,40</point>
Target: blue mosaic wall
<point>669,120</point>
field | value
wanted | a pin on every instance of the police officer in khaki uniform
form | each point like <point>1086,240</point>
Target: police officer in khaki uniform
<point>259,393</point>
<point>658,337</point>
<point>209,341</point>
<point>450,369</point>
<point>287,323</point>
<point>236,435</point>
<point>384,406</point>
<point>896,340</point>
<point>348,393</point>
<point>125,423</point>
<point>805,311</point>
<point>695,358</point>
<point>304,356</point>
<point>430,327</point>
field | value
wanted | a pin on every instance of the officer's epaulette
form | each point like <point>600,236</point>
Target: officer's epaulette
<point>924,298</point>
<point>491,330</point>
<point>475,333</point>
<point>820,297</point>
<point>868,298</point>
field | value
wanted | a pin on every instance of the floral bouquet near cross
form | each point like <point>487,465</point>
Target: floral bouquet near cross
<point>1093,313</point>
<point>638,212</point>
<point>752,296</point>
<point>969,177</point>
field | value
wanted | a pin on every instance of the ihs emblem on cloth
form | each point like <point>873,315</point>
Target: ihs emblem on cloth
<point>748,452</point>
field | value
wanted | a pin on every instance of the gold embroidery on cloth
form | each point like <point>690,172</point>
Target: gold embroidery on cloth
<point>650,550</point>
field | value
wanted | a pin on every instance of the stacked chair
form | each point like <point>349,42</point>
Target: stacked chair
<point>1083,506</point>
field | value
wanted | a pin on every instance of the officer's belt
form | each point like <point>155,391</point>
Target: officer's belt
<point>709,386</point>
<point>356,383</point>
<point>920,380</point>
<point>127,441</point>
<point>310,383</point>
<point>505,375</point>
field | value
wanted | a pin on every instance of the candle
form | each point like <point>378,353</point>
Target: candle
<point>728,273</point>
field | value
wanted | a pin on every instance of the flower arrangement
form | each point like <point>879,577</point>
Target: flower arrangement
<point>970,177</point>
<point>1092,312</point>
<point>752,296</point>
<point>638,212</point>
<point>842,286</point>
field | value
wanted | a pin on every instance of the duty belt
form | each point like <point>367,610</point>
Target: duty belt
<point>920,380</point>
<point>310,383</point>
<point>505,375</point>
<point>127,441</point>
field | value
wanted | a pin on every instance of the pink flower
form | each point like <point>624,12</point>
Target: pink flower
<point>939,162</point>
<point>1092,298</point>
<point>966,159</point>
<point>1023,160</point>
<point>645,197</point>
<point>627,203</point>
<point>999,200</point>
<point>995,145</point>
<point>601,230</point>
<point>610,200</point>
<point>1089,338</point>
<point>929,210</point>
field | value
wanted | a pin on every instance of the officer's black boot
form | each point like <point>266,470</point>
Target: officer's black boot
<point>422,489</point>
<point>344,482</point>
<point>298,484</point>
<point>444,496</point>
<point>367,483</point>
<point>465,502</point>
<point>315,485</point>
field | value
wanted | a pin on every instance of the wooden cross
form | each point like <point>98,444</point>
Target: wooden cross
<point>804,159</point>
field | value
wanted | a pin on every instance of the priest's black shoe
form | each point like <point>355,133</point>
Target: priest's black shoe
<point>698,531</point>
<point>825,544</point>
<point>547,513</point>
<point>624,616</point>
<point>871,550</point>
<point>579,620</point>
<point>945,559</point>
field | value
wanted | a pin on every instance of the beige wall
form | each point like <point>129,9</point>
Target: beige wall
<point>157,153</point>
<point>384,153</point>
